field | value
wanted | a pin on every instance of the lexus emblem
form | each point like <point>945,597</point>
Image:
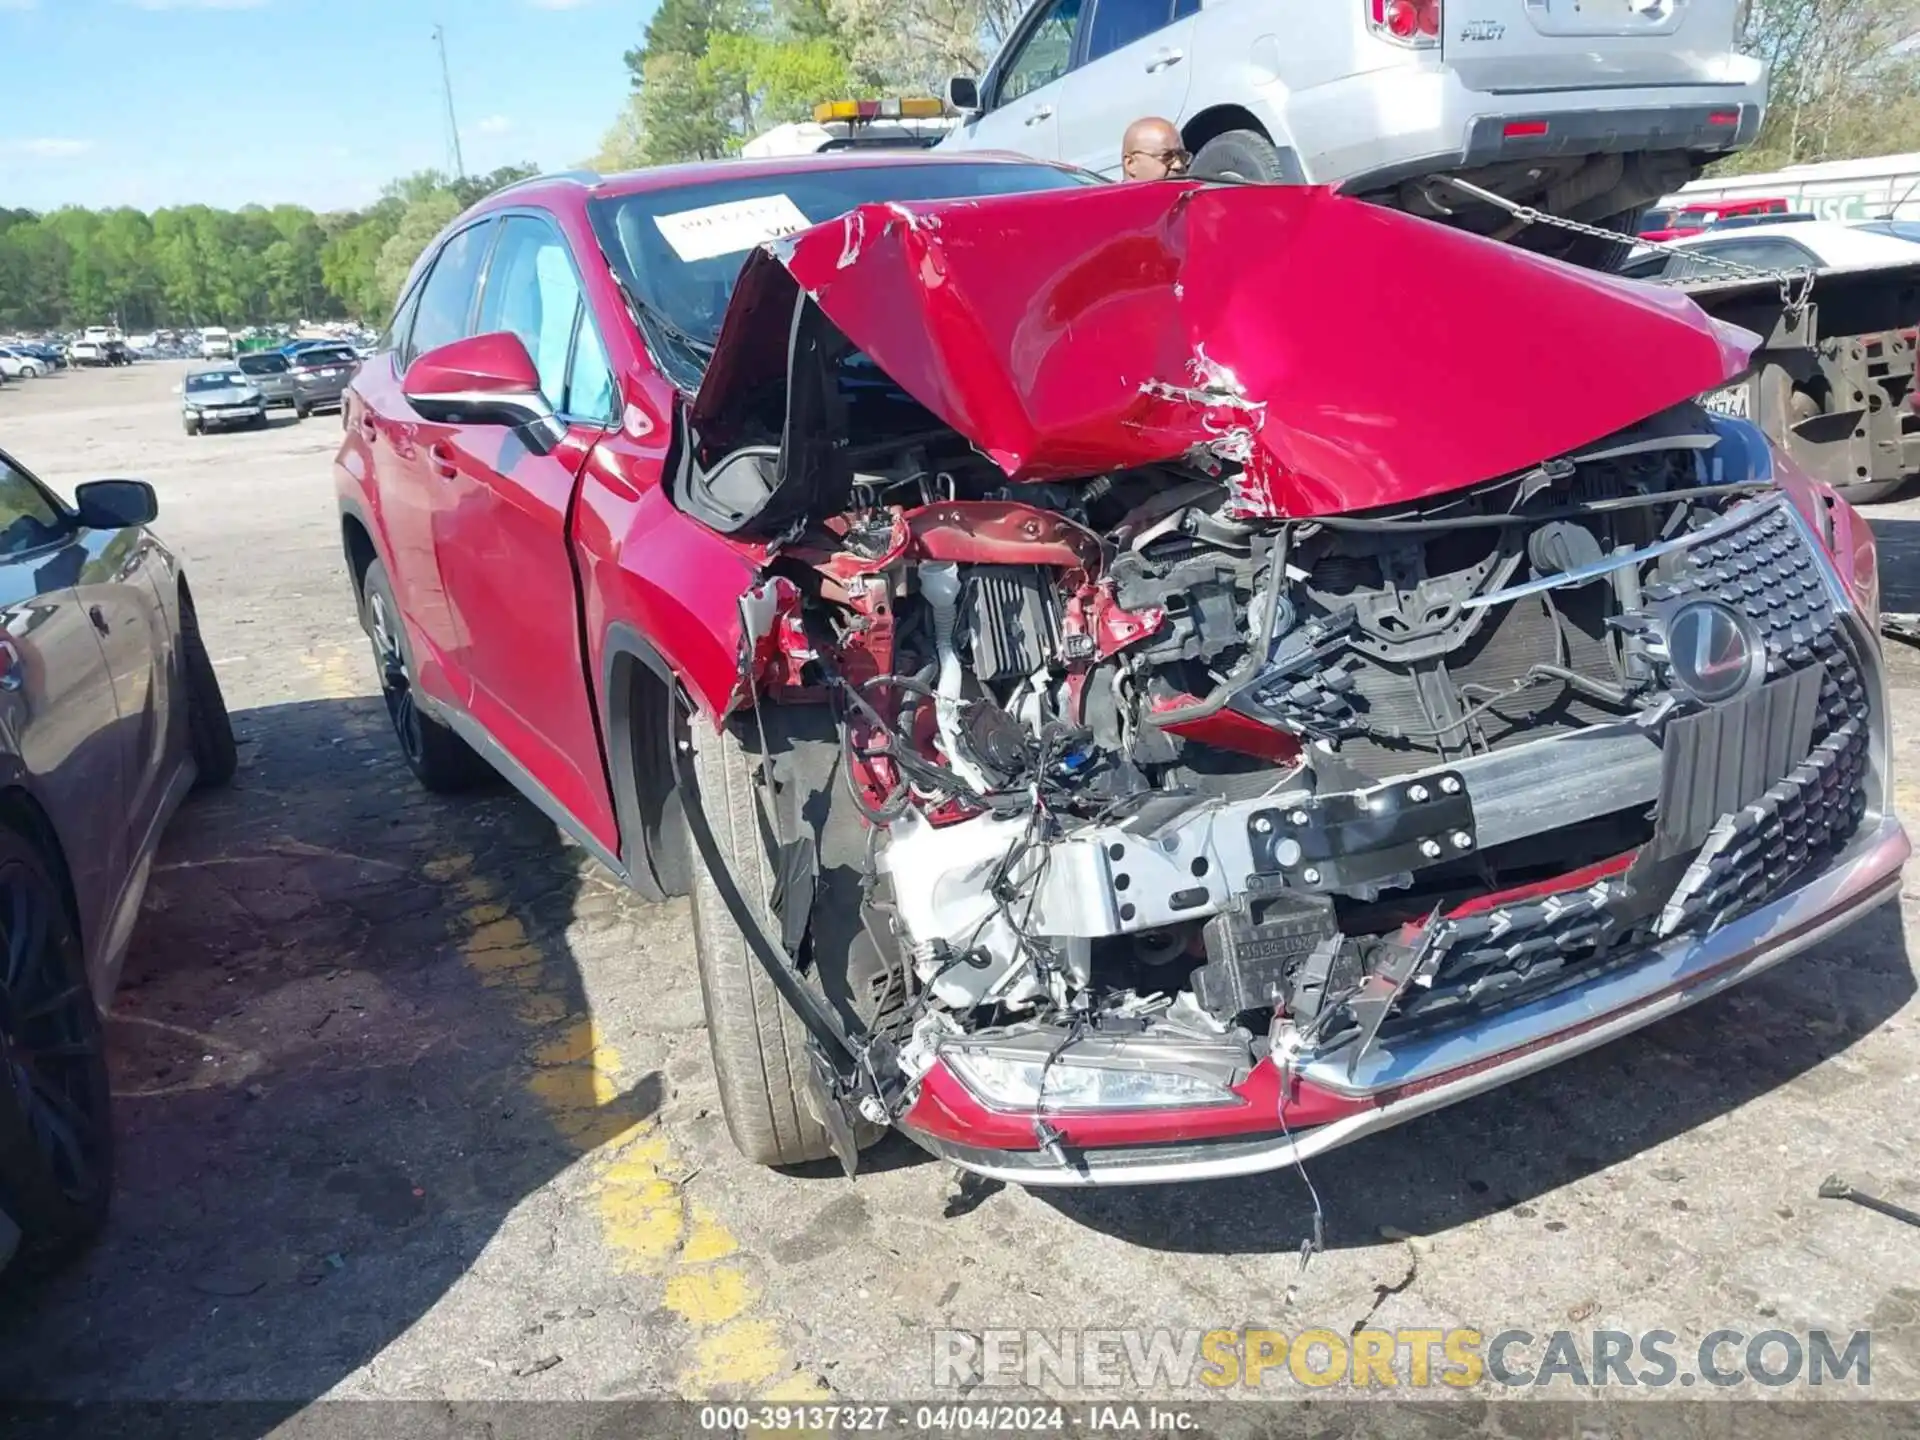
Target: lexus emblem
<point>1714,651</point>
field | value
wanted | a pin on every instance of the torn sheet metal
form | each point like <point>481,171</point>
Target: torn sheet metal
<point>1343,355</point>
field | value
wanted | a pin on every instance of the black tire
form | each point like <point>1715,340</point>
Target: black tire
<point>759,1045</point>
<point>209,727</point>
<point>56,1130</point>
<point>440,759</point>
<point>190,424</point>
<point>300,412</point>
<point>1243,155</point>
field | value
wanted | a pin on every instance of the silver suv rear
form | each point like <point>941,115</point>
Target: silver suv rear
<point>1589,109</point>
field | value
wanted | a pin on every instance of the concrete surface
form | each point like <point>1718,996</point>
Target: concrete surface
<point>415,1102</point>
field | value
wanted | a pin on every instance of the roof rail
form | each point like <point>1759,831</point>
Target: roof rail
<point>574,177</point>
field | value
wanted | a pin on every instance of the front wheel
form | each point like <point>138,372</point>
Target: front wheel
<point>32,372</point>
<point>300,412</point>
<point>440,759</point>
<point>56,1131</point>
<point>190,424</point>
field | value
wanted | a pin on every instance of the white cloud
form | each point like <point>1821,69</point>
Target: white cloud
<point>494,125</point>
<point>45,147</point>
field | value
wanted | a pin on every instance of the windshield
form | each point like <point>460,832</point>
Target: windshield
<point>215,380</point>
<point>1898,229</point>
<point>324,355</point>
<point>679,251</point>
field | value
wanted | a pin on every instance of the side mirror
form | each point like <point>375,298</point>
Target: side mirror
<point>115,504</point>
<point>483,380</point>
<point>963,93</point>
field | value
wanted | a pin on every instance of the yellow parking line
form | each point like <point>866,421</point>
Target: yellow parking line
<point>647,1222</point>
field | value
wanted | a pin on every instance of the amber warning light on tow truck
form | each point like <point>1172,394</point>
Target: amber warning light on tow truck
<point>918,108</point>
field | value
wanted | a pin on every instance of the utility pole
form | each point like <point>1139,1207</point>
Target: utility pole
<point>446,82</point>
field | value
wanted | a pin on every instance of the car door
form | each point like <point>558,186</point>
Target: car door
<point>61,734</point>
<point>407,474</point>
<point>1024,90</point>
<point>1138,60</point>
<point>500,529</point>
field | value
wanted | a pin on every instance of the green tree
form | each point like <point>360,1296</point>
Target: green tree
<point>423,220</point>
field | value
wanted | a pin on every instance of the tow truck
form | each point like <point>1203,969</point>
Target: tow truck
<point>913,122</point>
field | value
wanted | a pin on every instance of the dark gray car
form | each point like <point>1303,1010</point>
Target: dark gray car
<point>272,375</point>
<point>217,398</point>
<point>320,376</point>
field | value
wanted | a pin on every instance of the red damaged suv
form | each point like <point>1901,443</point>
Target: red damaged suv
<point>1140,682</point>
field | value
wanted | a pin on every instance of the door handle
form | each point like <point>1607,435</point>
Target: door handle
<point>99,619</point>
<point>1039,113</point>
<point>443,464</point>
<point>1164,58</point>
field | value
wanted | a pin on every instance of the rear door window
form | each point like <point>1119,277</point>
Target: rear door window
<point>446,298</point>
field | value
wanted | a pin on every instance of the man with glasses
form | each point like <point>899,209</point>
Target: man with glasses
<point>1152,150</point>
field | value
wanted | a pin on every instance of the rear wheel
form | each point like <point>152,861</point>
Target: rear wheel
<point>56,1134</point>
<point>439,758</point>
<point>1241,155</point>
<point>209,727</point>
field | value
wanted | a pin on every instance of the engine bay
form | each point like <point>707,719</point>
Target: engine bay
<point>1136,763</point>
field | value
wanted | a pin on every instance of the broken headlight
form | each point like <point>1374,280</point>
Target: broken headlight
<point>1011,1082</point>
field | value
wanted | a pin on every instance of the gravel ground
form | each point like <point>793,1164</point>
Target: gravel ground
<point>414,1101</point>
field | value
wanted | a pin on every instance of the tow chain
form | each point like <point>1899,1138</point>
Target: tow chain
<point>1796,285</point>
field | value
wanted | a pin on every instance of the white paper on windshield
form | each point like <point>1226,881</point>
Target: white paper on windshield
<point>732,227</point>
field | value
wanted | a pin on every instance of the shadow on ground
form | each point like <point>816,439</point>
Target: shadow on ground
<point>323,1043</point>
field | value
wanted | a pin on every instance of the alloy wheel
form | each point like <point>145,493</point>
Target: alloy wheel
<point>395,686</point>
<point>50,1045</point>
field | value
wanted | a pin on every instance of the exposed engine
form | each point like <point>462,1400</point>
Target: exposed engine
<point>1134,760</point>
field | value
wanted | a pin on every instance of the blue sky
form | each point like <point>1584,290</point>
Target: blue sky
<point>313,102</point>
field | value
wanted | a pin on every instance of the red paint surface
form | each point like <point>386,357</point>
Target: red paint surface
<point>1072,332</point>
<point>485,364</point>
<point>1230,730</point>
<point>948,1110</point>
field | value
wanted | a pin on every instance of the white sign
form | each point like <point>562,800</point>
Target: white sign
<point>1730,401</point>
<point>732,227</point>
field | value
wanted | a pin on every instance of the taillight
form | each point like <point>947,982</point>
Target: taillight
<point>1413,23</point>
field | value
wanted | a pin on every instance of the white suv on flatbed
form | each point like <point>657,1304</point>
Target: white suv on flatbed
<point>1589,109</point>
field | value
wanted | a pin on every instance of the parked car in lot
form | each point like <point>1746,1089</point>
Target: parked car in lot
<point>1111,726</point>
<point>87,354</point>
<point>109,713</point>
<point>217,398</point>
<point>320,375</point>
<point>1588,112</point>
<point>272,375</point>
<point>19,364</point>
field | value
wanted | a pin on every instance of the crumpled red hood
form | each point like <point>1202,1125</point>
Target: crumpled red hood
<point>1346,355</point>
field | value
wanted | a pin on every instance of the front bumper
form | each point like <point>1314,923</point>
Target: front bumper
<point>1400,1080</point>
